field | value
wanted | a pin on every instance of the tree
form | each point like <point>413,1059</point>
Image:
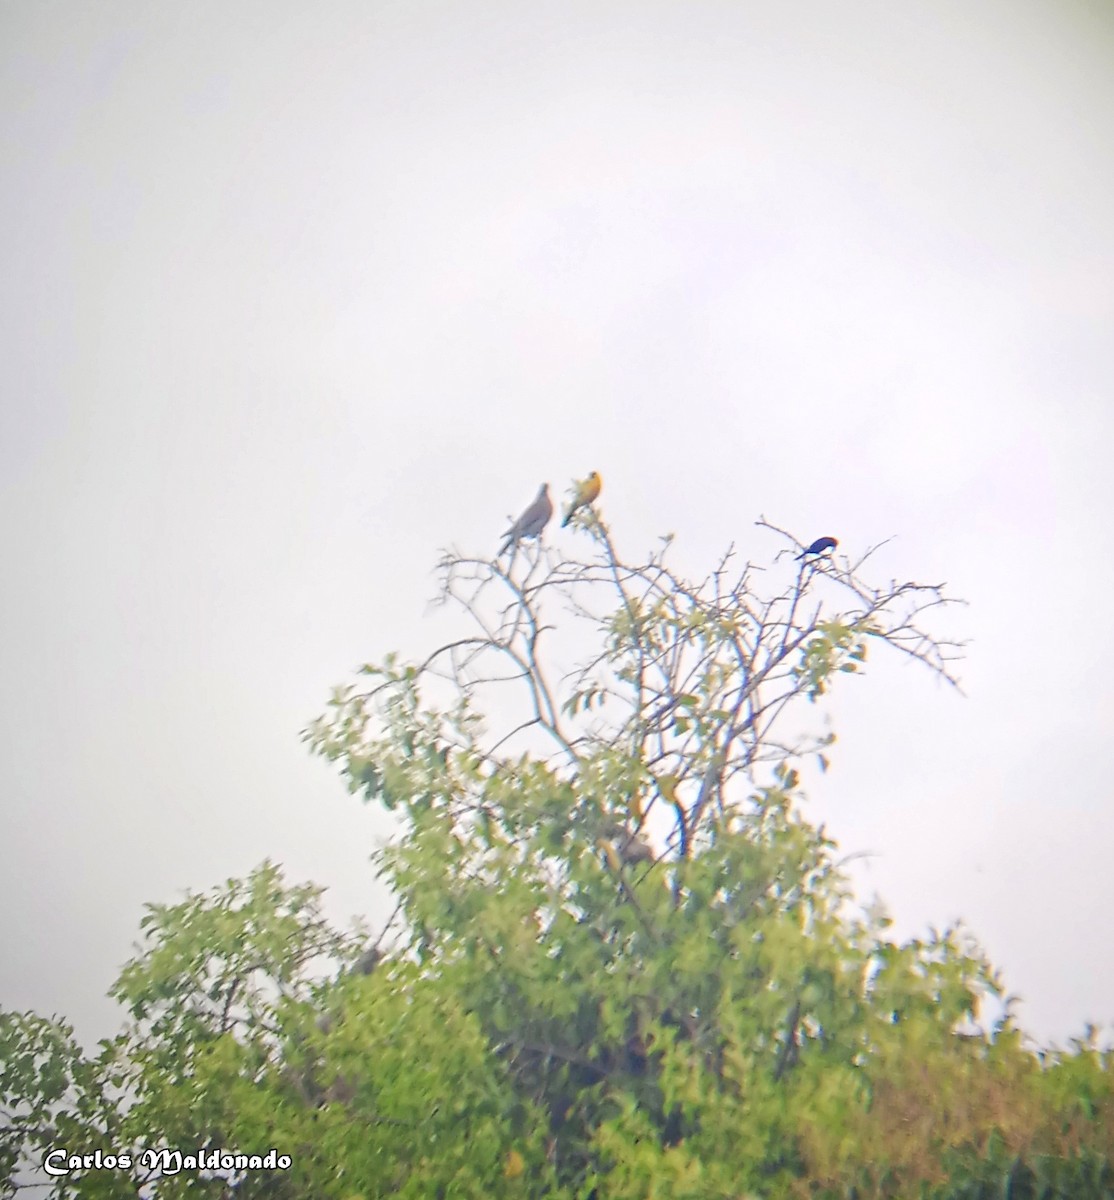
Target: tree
<point>623,964</point>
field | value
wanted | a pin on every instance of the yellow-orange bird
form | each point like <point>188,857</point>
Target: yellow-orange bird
<point>586,492</point>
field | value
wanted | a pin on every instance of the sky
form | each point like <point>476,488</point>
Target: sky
<point>293,296</point>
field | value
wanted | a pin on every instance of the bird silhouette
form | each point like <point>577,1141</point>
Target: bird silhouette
<point>819,546</point>
<point>586,492</point>
<point>533,520</point>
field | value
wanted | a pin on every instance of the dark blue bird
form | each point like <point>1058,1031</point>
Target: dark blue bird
<point>819,546</point>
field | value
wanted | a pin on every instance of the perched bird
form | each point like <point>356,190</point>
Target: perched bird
<point>819,546</point>
<point>586,492</point>
<point>368,961</point>
<point>533,520</point>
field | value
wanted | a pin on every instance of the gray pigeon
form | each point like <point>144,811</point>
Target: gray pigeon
<point>532,521</point>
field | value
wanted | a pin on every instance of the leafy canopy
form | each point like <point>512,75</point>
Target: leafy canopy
<point>623,963</point>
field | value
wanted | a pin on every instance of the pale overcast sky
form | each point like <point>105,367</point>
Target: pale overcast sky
<point>292,295</point>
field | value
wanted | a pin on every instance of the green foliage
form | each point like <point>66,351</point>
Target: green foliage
<point>626,968</point>
<point>51,1094</point>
